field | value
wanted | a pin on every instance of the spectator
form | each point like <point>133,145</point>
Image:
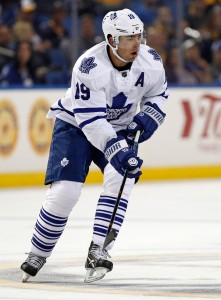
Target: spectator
<point>88,36</point>
<point>54,29</point>
<point>23,31</point>
<point>196,13</point>
<point>216,61</point>
<point>213,23</point>
<point>28,13</point>
<point>165,20</point>
<point>194,63</point>
<point>22,70</point>
<point>157,38</point>
<point>175,72</point>
<point>57,46</point>
<point>6,45</point>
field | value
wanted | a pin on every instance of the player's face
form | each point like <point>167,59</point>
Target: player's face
<point>129,46</point>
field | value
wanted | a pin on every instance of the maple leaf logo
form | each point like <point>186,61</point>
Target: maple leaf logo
<point>87,64</point>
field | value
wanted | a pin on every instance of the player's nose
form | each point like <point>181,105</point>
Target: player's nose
<point>137,42</point>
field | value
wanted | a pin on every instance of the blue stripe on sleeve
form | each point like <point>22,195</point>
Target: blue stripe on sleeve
<point>89,109</point>
<point>62,109</point>
<point>81,125</point>
<point>164,94</point>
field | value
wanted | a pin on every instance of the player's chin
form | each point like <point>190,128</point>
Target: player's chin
<point>133,55</point>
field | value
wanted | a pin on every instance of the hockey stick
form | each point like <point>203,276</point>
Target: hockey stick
<point>111,232</point>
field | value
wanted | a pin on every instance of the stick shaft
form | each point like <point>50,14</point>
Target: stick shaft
<point>134,147</point>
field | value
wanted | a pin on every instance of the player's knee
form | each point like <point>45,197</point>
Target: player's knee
<point>62,196</point>
<point>113,180</point>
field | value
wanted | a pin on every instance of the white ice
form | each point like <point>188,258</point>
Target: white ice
<point>169,246</point>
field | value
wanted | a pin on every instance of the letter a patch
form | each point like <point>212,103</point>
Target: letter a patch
<point>140,80</point>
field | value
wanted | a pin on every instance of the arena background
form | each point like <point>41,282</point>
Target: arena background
<point>187,35</point>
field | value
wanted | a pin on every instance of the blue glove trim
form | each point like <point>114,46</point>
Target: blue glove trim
<point>155,113</point>
<point>147,121</point>
<point>114,146</point>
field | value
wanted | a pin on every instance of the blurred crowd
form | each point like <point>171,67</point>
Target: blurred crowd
<point>37,38</point>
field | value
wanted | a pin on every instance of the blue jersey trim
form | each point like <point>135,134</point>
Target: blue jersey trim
<point>163,94</point>
<point>62,109</point>
<point>81,125</point>
<point>89,109</point>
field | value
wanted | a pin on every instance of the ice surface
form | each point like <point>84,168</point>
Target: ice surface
<point>169,246</point>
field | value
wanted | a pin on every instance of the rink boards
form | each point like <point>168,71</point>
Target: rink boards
<point>187,145</point>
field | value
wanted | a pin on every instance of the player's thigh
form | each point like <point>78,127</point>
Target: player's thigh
<point>99,158</point>
<point>70,154</point>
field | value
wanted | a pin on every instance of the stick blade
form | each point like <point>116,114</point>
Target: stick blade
<point>110,237</point>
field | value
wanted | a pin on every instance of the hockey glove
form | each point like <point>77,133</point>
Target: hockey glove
<point>122,158</point>
<point>147,121</point>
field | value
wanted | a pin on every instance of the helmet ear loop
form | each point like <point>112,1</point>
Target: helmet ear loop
<point>116,42</point>
<point>114,45</point>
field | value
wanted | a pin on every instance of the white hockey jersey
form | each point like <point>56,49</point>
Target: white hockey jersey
<point>103,100</point>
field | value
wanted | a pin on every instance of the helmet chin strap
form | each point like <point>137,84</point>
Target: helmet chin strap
<point>117,55</point>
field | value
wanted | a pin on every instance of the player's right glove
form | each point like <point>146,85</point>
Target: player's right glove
<point>147,121</point>
<point>122,157</point>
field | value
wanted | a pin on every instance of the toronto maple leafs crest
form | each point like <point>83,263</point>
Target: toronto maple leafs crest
<point>87,64</point>
<point>118,107</point>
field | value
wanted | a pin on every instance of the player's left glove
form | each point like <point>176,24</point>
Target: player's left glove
<point>147,121</point>
<point>122,158</point>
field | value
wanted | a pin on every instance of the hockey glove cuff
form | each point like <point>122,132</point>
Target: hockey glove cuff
<point>147,121</point>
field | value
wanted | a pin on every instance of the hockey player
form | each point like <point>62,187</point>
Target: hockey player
<point>96,121</point>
